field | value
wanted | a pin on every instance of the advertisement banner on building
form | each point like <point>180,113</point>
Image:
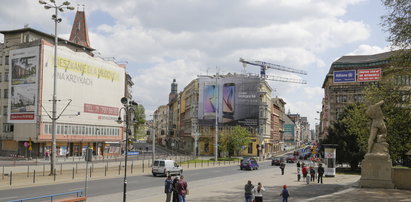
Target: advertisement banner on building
<point>344,76</point>
<point>23,85</point>
<point>369,74</point>
<point>93,85</point>
<point>234,99</point>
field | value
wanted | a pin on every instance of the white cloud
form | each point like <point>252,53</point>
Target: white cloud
<point>365,49</point>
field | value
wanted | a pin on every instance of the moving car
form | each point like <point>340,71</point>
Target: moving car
<point>249,164</point>
<point>291,159</point>
<point>166,167</point>
<point>277,161</point>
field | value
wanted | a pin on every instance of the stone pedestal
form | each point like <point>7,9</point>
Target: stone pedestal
<point>376,171</point>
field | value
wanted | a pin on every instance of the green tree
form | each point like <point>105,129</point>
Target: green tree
<point>398,22</point>
<point>139,122</point>
<point>394,88</point>
<point>350,133</point>
<point>232,141</point>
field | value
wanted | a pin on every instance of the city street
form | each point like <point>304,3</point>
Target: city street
<point>220,183</point>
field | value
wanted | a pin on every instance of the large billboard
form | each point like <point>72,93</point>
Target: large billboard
<point>93,85</point>
<point>369,74</point>
<point>234,100</point>
<point>344,76</point>
<point>23,84</point>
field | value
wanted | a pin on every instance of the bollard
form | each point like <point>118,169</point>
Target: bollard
<point>119,167</point>
<point>143,165</point>
<point>91,170</point>
<point>107,164</point>
<point>219,163</point>
<point>76,168</point>
<point>92,166</point>
<point>208,163</point>
<point>2,176</point>
<point>132,165</point>
<point>11,177</point>
<point>61,169</point>
<point>34,176</point>
<point>72,177</point>
<point>105,171</point>
<point>54,174</point>
<point>195,163</point>
<point>28,170</point>
<point>43,169</point>
<point>201,162</point>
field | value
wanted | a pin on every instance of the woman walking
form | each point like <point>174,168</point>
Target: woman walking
<point>258,192</point>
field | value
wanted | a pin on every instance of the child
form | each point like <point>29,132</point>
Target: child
<point>285,194</point>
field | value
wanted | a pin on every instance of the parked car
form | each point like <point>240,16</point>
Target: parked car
<point>249,164</point>
<point>291,159</point>
<point>277,161</point>
<point>166,167</point>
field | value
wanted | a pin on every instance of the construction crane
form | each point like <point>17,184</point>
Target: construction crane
<point>266,65</point>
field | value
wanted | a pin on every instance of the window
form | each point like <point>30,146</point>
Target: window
<point>6,93</point>
<point>1,75</point>
<point>6,62</point>
<point>6,76</point>
<point>5,110</point>
<point>7,127</point>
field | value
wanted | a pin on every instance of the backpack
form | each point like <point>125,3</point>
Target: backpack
<point>285,193</point>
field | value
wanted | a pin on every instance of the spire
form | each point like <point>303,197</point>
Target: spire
<point>79,32</point>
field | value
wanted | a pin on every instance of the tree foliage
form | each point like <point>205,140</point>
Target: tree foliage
<point>350,132</point>
<point>139,121</point>
<point>395,90</point>
<point>233,140</point>
<point>398,22</point>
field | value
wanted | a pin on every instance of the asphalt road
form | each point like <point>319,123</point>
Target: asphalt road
<point>115,185</point>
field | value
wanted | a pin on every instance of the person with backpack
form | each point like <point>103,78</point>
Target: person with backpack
<point>248,188</point>
<point>168,188</point>
<point>320,173</point>
<point>258,192</point>
<point>305,174</point>
<point>312,173</point>
<point>285,194</point>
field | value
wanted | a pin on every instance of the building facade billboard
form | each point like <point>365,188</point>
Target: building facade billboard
<point>234,100</point>
<point>369,74</point>
<point>23,85</point>
<point>93,85</point>
<point>344,76</point>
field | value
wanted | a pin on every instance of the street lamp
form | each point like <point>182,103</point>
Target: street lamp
<point>65,5</point>
<point>128,108</point>
<point>153,138</point>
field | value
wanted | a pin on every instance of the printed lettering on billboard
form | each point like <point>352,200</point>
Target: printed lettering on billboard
<point>344,76</point>
<point>369,74</point>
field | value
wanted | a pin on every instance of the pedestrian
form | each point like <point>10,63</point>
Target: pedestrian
<point>298,174</point>
<point>282,166</point>
<point>175,191</point>
<point>305,173</point>
<point>320,173</point>
<point>248,188</point>
<point>47,155</point>
<point>312,173</point>
<point>258,192</point>
<point>285,194</point>
<point>298,164</point>
<point>168,188</point>
<point>182,189</point>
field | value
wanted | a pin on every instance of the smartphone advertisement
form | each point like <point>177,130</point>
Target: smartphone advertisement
<point>235,99</point>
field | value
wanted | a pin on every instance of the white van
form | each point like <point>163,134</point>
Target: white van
<point>166,167</point>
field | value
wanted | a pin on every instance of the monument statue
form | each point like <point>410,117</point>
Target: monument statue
<point>377,143</point>
<point>376,166</point>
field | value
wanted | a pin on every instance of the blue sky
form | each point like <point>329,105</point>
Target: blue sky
<point>162,40</point>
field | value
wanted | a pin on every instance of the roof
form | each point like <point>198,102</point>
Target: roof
<point>28,29</point>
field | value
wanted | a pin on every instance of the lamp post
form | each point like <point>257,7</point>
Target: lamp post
<point>128,108</point>
<point>54,118</point>
<point>153,139</point>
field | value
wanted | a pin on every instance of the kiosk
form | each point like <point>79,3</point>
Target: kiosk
<point>329,158</point>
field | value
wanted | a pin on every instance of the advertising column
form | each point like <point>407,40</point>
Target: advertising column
<point>329,157</point>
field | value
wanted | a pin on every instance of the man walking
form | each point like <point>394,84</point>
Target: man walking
<point>320,173</point>
<point>168,188</point>
<point>248,191</point>
<point>182,189</point>
<point>282,166</point>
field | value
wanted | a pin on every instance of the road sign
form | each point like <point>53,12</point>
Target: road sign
<point>344,76</point>
<point>131,153</point>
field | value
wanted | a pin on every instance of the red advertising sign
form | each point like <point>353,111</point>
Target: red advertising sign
<point>368,74</point>
<point>21,116</point>
<point>99,109</point>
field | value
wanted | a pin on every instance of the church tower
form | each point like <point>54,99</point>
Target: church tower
<point>79,32</point>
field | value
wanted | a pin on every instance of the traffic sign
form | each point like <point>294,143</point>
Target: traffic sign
<point>131,153</point>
